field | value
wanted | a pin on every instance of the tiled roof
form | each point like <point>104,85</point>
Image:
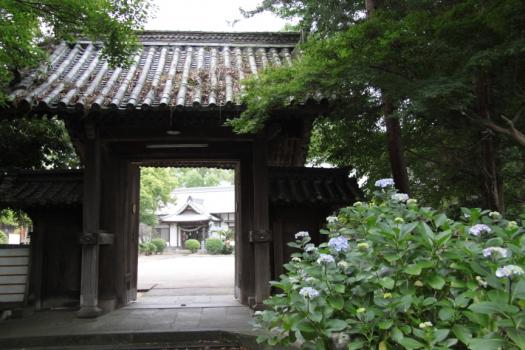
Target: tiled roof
<point>314,186</point>
<point>310,186</point>
<point>173,69</point>
<point>29,189</point>
<point>215,200</point>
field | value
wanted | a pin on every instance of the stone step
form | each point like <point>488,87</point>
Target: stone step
<point>212,340</point>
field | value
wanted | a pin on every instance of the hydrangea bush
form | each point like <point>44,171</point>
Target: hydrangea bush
<point>396,275</point>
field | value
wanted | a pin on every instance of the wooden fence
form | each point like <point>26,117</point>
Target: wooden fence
<point>14,273</point>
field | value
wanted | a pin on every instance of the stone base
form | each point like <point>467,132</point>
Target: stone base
<point>107,305</point>
<point>89,312</point>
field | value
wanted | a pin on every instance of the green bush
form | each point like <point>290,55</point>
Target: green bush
<point>147,248</point>
<point>192,244</point>
<point>227,249</point>
<point>159,244</point>
<point>142,247</point>
<point>150,248</point>
<point>395,275</point>
<point>214,245</point>
<point>3,238</point>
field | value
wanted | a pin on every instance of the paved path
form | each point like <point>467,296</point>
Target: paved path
<point>199,274</point>
<point>184,294</point>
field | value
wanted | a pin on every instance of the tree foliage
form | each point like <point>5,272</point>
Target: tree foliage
<point>28,27</point>
<point>451,71</point>
<point>35,144</point>
<point>202,177</point>
<point>156,185</point>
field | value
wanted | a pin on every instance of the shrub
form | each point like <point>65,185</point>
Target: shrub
<point>3,238</point>
<point>227,248</point>
<point>226,235</point>
<point>395,275</point>
<point>192,244</point>
<point>142,248</point>
<point>159,244</point>
<point>150,248</point>
<point>214,245</point>
<point>147,248</point>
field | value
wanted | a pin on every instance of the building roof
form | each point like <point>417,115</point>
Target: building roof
<point>190,211</point>
<point>313,186</point>
<point>296,186</point>
<point>30,189</point>
<point>173,69</point>
<point>215,200</point>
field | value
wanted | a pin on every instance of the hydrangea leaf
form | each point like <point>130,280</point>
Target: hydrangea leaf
<point>436,281</point>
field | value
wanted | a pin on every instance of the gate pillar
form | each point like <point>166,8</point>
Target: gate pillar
<point>260,236</point>
<point>90,230</point>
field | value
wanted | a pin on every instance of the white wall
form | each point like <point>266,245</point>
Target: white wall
<point>174,237</point>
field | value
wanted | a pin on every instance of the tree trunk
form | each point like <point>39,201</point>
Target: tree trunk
<point>491,178</point>
<point>393,131</point>
<point>395,148</point>
<point>370,6</point>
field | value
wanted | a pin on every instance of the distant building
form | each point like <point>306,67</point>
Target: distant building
<point>199,213</point>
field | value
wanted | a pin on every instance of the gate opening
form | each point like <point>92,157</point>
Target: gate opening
<point>186,237</point>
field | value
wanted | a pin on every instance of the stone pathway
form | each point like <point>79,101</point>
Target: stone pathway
<point>167,308</point>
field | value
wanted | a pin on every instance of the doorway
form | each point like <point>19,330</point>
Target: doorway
<point>187,237</point>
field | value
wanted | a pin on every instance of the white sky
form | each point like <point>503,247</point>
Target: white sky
<point>211,15</point>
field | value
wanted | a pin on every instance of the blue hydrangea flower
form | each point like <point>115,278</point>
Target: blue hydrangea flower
<point>325,259</point>
<point>509,271</point>
<point>478,229</point>
<point>384,183</point>
<point>309,292</point>
<point>339,244</point>
<point>504,253</point>
<point>301,235</point>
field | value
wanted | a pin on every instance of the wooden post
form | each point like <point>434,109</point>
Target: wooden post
<point>260,235</point>
<point>89,237</point>
<point>37,261</point>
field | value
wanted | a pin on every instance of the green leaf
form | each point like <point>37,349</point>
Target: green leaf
<point>489,308</point>
<point>487,344</point>
<point>440,334</point>
<point>397,335</point>
<point>339,288</point>
<point>385,324</point>
<point>440,220</point>
<point>336,301</point>
<point>462,333</point>
<point>356,345</point>
<point>518,337</point>
<point>410,343</point>
<point>392,257</point>
<point>306,326</point>
<point>446,313</point>
<point>427,231</point>
<point>407,228</point>
<point>436,281</point>
<point>413,269</point>
<point>518,290</point>
<point>387,282</point>
<point>335,325</point>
